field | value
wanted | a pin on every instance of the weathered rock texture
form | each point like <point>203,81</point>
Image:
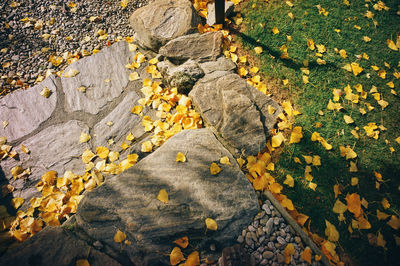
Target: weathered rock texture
<point>55,246</point>
<point>211,11</point>
<point>163,20</point>
<point>128,201</point>
<point>183,76</point>
<point>26,110</point>
<point>222,64</point>
<point>236,111</point>
<point>199,47</point>
<point>103,74</point>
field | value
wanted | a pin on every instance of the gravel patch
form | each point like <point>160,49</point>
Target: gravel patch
<point>33,31</point>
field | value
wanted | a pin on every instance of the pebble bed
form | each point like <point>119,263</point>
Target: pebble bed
<point>33,30</point>
<point>268,235</point>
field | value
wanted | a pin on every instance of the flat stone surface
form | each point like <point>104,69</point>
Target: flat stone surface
<point>163,20</point>
<point>26,110</point>
<point>103,74</point>
<point>54,148</point>
<point>199,47</point>
<point>55,246</point>
<point>236,111</point>
<point>123,123</point>
<point>222,64</point>
<point>129,201</point>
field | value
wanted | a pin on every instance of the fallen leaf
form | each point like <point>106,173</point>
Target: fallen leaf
<point>392,45</point>
<point>163,196</point>
<point>102,152</point>
<point>71,73</point>
<point>348,119</point>
<point>193,259</point>
<point>176,256</point>
<point>306,255</point>
<point>275,30</point>
<point>225,160</point>
<point>133,76</point>
<point>385,203</point>
<point>82,263</point>
<point>211,224</point>
<point>380,241</point>
<point>394,222</point>
<point>180,157</point>
<point>45,92</point>
<point>288,252</point>
<point>84,137</point>
<point>137,109</point>
<point>183,242</point>
<point>119,236</point>
<point>214,169</point>
<point>258,50</point>
<point>289,181</point>
<point>17,202</point>
<point>277,140</point>
<point>87,156</point>
<point>147,146</point>
<point>296,135</point>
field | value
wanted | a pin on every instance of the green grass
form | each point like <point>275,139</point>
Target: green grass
<point>373,155</point>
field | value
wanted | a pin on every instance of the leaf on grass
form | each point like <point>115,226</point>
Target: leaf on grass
<point>394,222</point>
<point>331,232</point>
<point>277,140</point>
<point>258,50</point>
<point>119,236</point>
<point>289,181</point>
<point>214,169</point>
<point>296,135</point>
<point>381,215</point>
<point>354,204</point>
<point>392,45</point>
<point>385,203</point>
<point>183,242</point>
<point>211,224</point>
<point>163,196</point>
<point>348,119</point>
<point>311,45</point>
<point>380,241</point>
<point>275,30</point>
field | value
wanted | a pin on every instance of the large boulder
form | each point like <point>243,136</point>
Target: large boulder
<point>128,202</point>
<point>104,76</point>
<point>55,246</point>
<point>199,47</point>
<point>162,21</point>
<point>237,112</point>
<point>26,110</point>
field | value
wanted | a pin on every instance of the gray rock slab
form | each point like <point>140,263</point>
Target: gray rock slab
<point>103,74</point>
<point>211,11</point>
<point>123,123</point>
<point>129,201</point>
<point>163,20</point>
<point>183,76</point>
<point>200,47</point>
<point>222,64</point>
<point>54,148</point>
<point>26,110</point>
<point>54,246</point>
<point>236,111</point>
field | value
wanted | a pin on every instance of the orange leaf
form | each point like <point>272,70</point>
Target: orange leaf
<point>394,222</point>
<point>193,259</point>
<point>119,236</point>
<point>288,252</point>
<point>183,242</point>
<point>176,256</point>
<point>354,204</point>
<point>306,255</point>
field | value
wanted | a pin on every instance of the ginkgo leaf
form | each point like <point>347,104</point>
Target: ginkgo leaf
<point>312,185</point>
<point>102,152</point>
<point>392,45</point>
<point>339,207</point>
<point>311,45</point>
<point>214,169</point>
<point>380,241</point>
<point>124,3</point>
<point>354,181</point>
<point>180,157</point>
<point>176,256</point>
<point>17,202</point>
<point>275,188</point>
<point>258,50</point>
<point>45,92</point>
<point>288,252</point>
<point>316,160</point>
<point>84,137</point>
<point>211,224</point>
<point>193,259</point>
<point>241,161</point>
<point>183,242</point>
<point>87,156</point>
<point>385,203</point>
<point>163,196</point>
<point>296,135</point>
<point>289,181</point>
<point>354,204</point>
<point>356,69</point>
<point>331,232</point>
<point>381,215</point>
<point>348,119</point>
<point>306,255</point>
<point>130,137</point>
<point>119,236</point>
<point>277,140</point>
<point>82,263</point>
<point>137,109</point>
<point>288,204</point>
<point>113,156</point>
<point>275,30</point>
<point>336,190</point>
<point>147,146</point>
<point>133,76</point>
<point>394,222</point>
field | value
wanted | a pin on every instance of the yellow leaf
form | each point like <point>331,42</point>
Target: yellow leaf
<point>275,30</point>
<point>214,169</point>
<point>147,146</point>
<point>258,50</point>
<point>82,263</point>
<point>130,137</point>
<point>354,204</point>
<point>343,53</point>
<point>348,119</point>
<point>308,159</point>
<point>45,92</point>
<point>275,188</point>
<point>394,222</point>
<point>354,181</point>
<point>385,203</point>
<point>392,45</point>
<point>277,140</point>
<point>316,160</point>
<point>336,190</point>
<point>84,137</point>
<point>242,72</point>
<point>380,241</point>
<point>381,215</point>
<point>296,135</point>
<point>71,73</point>
<point>289,181</point>
<point>353,167</point>
<point>312,185</point>
<point>382,74</point>
<point>119,236</point>
<point>183,242</point>
<point>254,70</point>
<point>225,160</point>
<point>321,48</point>
<point>113,156</point>
<point>356,69</point>
<point>137,109</point>
<point>193,259</point>
<point>240,161</point>
<point>331,232</point>
<point>288,204</point>
<point>180,157</point>
<point>163,196</point>
<point>211,224</point>
<point>397,140</point>
<point>311,45</point>
<point>133,76</point>
<point>176,256</point>
<point>339,207</point>
<point>288,252</point>
<point>87,156</point>
<point>17,202</point>
<point>102,152</point>
<point>306,255</point>
<point>305,79</point>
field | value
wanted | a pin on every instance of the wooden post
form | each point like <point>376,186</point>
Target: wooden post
<point>219,12</point>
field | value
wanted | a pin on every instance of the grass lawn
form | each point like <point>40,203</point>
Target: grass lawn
<point>337,25</point>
